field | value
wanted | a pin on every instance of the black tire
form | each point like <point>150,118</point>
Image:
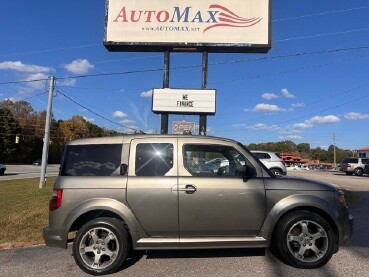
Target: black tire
<point>304,240</point>
<point>276,171</point>
<point>2,171</point>
<point>358,171</point>
<point>106,241</point>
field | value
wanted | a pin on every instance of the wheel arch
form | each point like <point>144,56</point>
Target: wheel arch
<point>300,203</point>
<point>96,208</point>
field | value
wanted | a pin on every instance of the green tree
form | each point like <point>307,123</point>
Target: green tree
<point>9,129</point>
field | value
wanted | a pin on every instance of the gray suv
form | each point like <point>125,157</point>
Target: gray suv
<point>353,165</point>
<point>144,192</point>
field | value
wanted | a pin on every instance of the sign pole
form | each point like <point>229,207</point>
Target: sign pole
<point>203,118</point>
<point>165,116</point>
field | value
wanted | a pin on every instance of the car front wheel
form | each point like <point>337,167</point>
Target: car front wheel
<point>101,246</point>
<point>305,240</point>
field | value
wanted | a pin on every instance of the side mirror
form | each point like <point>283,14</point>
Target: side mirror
<point>123,169</point>
<point>250,172</point>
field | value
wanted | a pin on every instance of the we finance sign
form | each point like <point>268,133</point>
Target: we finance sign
<point>191,25</point>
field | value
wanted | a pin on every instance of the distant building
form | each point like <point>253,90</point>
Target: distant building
<point>363,152</point>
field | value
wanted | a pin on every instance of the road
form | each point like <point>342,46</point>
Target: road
<point>351,260</point>
<point>28,171</point>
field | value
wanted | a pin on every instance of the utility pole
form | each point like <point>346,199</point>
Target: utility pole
<point>45,149</point>
<point>334,149</point>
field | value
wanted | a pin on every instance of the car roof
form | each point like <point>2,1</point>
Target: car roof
<point>127,138</point>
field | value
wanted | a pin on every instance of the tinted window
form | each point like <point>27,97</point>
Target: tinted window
<point>261,156</point>
<point>350,160</point>
<point>92,160</point>
<point>213,160</point>
<point>153,159</point>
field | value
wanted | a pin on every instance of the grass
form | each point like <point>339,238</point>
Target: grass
<point>24,211</point>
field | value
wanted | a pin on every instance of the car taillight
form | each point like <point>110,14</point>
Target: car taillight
<point>56,200</point>
<point>348,165</point>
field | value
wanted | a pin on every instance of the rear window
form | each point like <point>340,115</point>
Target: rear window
<point>92,160</point>
<point>261,155</point>
<point>350,160</point>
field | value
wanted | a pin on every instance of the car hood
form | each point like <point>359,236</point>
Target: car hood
<point>297,183</point>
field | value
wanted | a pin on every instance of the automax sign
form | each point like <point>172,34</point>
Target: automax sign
<point>197,25</point>
<point>183,101</point>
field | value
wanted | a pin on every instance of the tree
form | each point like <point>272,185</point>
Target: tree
<point>9,129</point>
<point>74,128</point>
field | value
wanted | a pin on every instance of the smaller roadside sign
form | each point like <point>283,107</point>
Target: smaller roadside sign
<point>179,127</point>
<point>184,101</point>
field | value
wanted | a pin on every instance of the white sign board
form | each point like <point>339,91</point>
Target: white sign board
<point>191,25</point>
<point>184,101</point>
<point>179,127</point>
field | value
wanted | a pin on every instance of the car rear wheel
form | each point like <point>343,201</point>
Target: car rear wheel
<point>305,240</point>
<point>358,171</point>
<point>101,246</point>
<point>2,171</point>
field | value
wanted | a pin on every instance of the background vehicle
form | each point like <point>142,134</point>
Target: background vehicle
<point>2,169</point>
<point>37,162</point>
<point>143,192</point>
<point>353,165</point>
<point>366,168</point>
<point>272,161</point>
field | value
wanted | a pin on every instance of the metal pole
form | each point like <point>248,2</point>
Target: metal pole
<point>203,121</point>
<point>165,116</point>
<point>45,149</point>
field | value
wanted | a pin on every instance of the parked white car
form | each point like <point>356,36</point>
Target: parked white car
<point>272,161</point>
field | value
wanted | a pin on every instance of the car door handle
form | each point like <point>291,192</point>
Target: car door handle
<point>189,189</point>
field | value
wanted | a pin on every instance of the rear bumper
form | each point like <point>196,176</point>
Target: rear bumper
<point>53,237</point>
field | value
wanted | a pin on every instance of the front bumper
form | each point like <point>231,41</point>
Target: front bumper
<point>348,229</point>
<point>53,237</point>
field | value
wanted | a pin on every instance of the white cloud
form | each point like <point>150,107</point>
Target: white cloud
<point>355,116</point>
<point>302,125</point>
<point>21,67</point>
<point>292,137</point>
<point>119,114</point>
<point>323,119</point>
<point>262,126</point>
<point>146,94</point>
<point>80,66</point>
<point>70,82</point>
<point>287,94</point>
<point>267,108</point>
<point>89,119</point>
<point>36,84</point>
<point>269,96</point>
<point>298,105</point>
<point>239,125</point>
<point>128,121</point>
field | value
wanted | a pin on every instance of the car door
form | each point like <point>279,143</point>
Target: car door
<point>152,183</point>
<point>218,202</point>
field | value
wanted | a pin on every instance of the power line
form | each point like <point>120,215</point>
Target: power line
<point>101,116</point>
<point>365,47</point>
<point>320,14</point>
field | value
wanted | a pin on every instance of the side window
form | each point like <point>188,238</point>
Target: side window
<point>213,160</point>
<point>92,160</point>
<point>153,159</point>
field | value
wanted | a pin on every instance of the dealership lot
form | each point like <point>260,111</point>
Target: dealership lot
<point>351,260</point>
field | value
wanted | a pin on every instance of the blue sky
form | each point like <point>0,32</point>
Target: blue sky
<point>311,85</point>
